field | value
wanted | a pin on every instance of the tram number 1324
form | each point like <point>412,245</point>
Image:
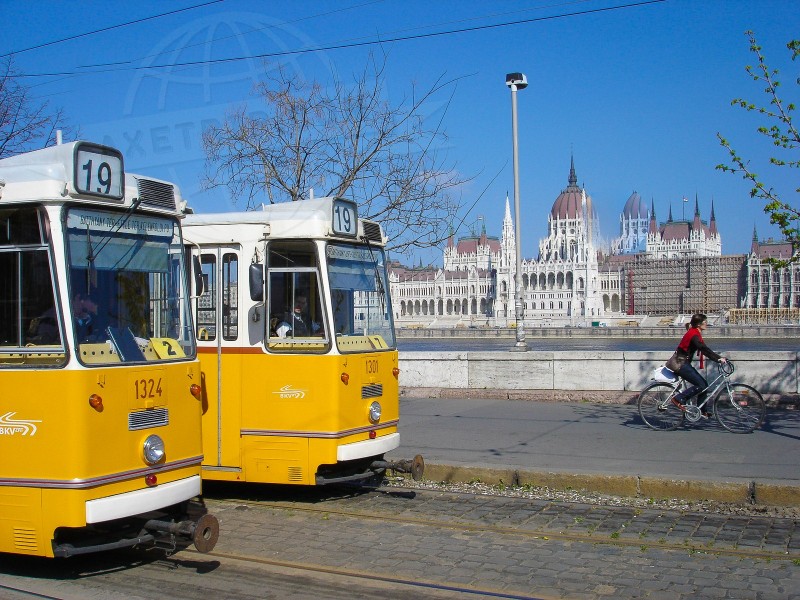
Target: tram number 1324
<point>148,388</point>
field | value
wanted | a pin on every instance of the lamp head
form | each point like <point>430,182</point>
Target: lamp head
<point>517,80</point>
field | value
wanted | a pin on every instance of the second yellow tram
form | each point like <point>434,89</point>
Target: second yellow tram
<point>297,345</point>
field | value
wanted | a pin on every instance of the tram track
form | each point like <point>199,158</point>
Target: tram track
<point>408,544</point>
<point>422,585</point>
<point>9,592</point>
<point>542,534</point>
<point>253,568</point>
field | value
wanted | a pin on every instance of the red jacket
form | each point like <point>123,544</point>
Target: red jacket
<point>692,342</point>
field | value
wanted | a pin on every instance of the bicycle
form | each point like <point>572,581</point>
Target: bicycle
<point>739,408</point>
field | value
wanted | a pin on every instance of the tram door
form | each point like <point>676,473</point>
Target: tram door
<point>218,340</point>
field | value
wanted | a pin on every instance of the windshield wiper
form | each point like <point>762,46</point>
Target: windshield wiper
<point>123,218</point>
<point>90,256</point>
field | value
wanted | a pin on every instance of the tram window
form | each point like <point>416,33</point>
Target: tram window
<point>292,255</point>
<point>38,305</point>
<point>206,308</point>
<point>28,313</point>
<point>294,298</point>
<point>230,297</point>
<point>20,226</point>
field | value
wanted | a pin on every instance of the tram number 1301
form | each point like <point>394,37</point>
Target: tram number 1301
<point>372,366</point>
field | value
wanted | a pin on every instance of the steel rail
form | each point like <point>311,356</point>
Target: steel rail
<point>356,574</point>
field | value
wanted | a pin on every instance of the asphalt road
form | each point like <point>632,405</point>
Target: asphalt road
<point>594,439</point>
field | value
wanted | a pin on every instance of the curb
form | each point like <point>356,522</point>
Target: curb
<point>636,486</point>
<point>783,401</point>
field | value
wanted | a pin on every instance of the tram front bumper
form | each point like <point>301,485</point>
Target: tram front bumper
<point>203,533</point>
<point>187,521</point>
<point>141,501</point>
<point>363,461</point>
<point>367,448</point>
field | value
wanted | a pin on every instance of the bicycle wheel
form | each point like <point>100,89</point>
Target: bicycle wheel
<point>657,409</point>
<point>741,411</point>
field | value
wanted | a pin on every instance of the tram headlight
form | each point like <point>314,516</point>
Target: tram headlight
<point>375,412</point>
<point>153,450</point>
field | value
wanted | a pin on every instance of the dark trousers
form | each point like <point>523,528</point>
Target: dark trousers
<point>690,374</point>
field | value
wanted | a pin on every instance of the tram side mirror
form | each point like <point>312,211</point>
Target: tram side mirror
<point>199,279</point>
<point>256,282</point>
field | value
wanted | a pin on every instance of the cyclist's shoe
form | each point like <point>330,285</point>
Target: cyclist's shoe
<point>676,401</point>
<point>705,414</point>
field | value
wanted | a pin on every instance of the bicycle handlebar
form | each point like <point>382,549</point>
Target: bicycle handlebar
<point>726,367</point>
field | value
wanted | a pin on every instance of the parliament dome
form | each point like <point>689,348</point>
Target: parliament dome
<point>635,208</point>
<point>569,204</point>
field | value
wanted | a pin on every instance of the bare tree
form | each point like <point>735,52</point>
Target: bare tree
<point>25,123</point>
<point>783,134</point>
<point>344,140</point>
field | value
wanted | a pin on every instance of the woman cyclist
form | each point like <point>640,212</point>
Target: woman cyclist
<point>693,342</point>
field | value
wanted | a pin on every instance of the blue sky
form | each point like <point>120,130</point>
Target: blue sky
<point>635,94</point>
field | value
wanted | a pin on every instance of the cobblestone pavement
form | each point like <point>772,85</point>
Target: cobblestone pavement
<point>518,547</point>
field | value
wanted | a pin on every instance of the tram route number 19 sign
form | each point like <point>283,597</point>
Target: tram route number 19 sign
<point>99,171</point>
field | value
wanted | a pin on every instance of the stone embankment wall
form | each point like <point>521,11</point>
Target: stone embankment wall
<point>615,332</point>
<point>579,376</point>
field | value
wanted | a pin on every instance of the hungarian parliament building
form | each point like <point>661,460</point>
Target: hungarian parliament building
<point>654,272</point>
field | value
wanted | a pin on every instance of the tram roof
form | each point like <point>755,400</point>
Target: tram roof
<point>300,219</point>
<point>47,175</point>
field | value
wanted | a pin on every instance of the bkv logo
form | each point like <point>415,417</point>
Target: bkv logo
<point>10,426</point>
<point>287,392</point>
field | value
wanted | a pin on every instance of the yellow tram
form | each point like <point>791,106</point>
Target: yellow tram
<point>297,345</point>
<point>100,409</point>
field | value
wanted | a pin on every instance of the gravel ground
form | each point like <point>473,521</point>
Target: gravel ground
<point>583,497</point>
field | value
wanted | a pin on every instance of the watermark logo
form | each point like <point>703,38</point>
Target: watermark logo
<point>191,79</point>
<point>11,426</point>
<point>288,393</point>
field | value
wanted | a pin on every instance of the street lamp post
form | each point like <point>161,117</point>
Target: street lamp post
<point>517,81</point>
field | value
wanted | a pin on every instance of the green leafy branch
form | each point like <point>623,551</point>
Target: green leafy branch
<point>783,134</point>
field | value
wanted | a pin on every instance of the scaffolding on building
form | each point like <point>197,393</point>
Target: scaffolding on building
<point>764,316</point>
<point>668,286</point>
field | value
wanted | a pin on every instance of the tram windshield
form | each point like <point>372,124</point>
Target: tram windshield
<point>127,288</point>
<point>362,314</point>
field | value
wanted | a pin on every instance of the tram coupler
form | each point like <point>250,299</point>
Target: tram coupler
<point>204,532</point>
<point>415,466</point>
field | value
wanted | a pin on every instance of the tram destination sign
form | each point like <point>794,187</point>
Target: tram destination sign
<point>349,253</point>
<point>108,222</point>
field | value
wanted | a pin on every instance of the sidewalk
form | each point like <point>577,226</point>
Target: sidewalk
<point>601,448</point>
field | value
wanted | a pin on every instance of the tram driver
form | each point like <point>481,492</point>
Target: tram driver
<point>84,312</point>
<point>298,322</point>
